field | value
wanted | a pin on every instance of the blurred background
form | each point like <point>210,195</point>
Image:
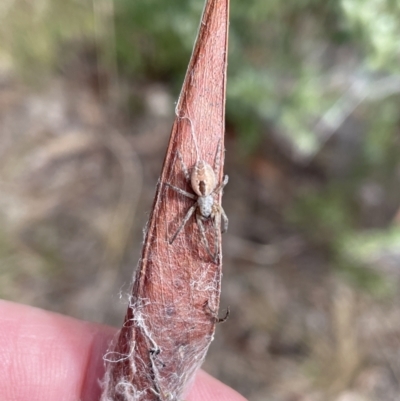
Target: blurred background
<point>311,259</point>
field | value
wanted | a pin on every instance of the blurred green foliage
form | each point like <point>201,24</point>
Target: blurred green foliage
<point>280,54</point>
<point>292,65</point>
<point>376,27</point>
<point>154,38</point>
<point>31,32</point>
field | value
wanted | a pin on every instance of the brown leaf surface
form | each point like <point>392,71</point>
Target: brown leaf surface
<point>171,320</point>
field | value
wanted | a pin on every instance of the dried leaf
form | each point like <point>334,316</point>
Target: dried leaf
<point>171,318</point>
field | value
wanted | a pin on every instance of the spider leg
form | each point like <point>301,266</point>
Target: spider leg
<point>204,238</point>
<point>222,217</point>
<point>184,221</point>
<point>221,186</point>
<point>217,225</point>
<point>225,221</point>
<point>184,168</point>
<point>182,191</point>
<point>217,158</point>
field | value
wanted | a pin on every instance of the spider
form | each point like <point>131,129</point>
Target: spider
<point>204,185</point>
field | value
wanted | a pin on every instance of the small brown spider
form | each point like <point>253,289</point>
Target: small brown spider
<point>204,185</point>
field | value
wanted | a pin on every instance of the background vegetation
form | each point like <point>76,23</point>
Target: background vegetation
<point>311,265</point>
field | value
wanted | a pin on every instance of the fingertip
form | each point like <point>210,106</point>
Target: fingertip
<point>47,356</point>
<point>58,357</point>
<point>208,388</point>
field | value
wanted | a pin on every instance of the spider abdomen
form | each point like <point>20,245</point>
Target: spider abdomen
<point>205,204</point>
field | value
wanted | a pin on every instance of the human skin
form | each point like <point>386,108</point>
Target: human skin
<point>45,356</point>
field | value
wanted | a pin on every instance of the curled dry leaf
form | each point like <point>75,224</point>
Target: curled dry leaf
<point>171,318</point>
